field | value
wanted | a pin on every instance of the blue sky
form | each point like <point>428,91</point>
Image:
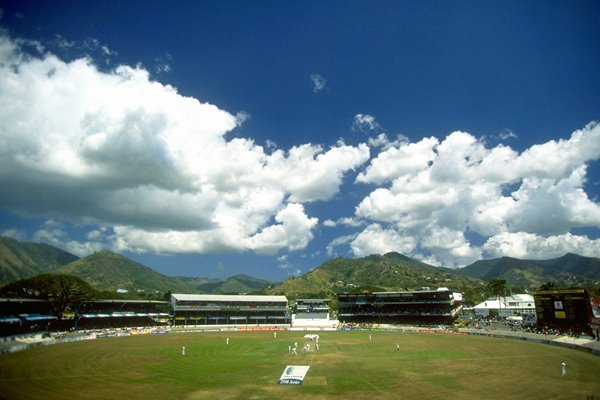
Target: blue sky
<point>215,138</point>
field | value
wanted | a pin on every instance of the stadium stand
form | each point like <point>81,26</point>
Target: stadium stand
<point>18,316</point>
<point>97,314</point>
<point>210,309</point>
<point>440,306</point>
<point>312,309</point>
<point>564,310</point>
<point>312,314</point>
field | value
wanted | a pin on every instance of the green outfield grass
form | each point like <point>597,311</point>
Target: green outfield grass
<point>346,366</point>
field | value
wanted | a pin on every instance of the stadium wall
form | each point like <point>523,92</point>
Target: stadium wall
<point>590,346</point>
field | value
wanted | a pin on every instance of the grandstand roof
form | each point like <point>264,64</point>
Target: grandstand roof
<point>228,297</point>
<point>9,320</point>
<point>514,301</point>
<point>319,301</point>
<point>523,298</point>
<point>37,317</point>
<point>424,290</point>
<point>21,300</point>
<point>490,304</point>
<point>111,301</point>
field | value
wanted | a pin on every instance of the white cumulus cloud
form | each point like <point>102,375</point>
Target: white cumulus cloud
<point>122,151</point>
<point>448,195</point>
<point>532,246</point>
<point>375,239</point>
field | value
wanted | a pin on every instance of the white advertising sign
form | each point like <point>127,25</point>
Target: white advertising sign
<point>558,305</point>
<point>293,374</point>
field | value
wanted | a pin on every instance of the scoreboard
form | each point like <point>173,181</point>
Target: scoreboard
<point>564,309</point>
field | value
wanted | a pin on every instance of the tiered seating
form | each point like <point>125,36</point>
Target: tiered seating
<point>207,309</point>
<point>121,313</point>
<point>421,307</point>
<point>18,316</point>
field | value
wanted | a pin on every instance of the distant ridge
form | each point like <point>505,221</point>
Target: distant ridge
<point>392,271</point>
<point>105,270</point>
<point>236,284</point>
<point>109,271</point>
<point>568,270</point>
<point>22,260</point>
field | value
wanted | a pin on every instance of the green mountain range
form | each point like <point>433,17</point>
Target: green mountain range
<point>233,285</point>
<point>568,270</point>
<point>20,260</point>
<point>388,272</point>
<point>393,271</point>
<point>108,271</point>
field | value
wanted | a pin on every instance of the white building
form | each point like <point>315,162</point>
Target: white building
<point>506,306</point>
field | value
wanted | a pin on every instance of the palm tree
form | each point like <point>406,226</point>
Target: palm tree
<point>497,287</point>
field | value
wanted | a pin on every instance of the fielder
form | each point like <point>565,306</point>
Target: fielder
<point>563,368</point>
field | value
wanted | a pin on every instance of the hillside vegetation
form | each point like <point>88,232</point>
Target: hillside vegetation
<point>107,271</point>
<point>570,270</point>
<point>391,271</point>
<point>24,260</point>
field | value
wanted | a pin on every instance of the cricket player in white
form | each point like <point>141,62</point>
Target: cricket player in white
<point>563,368</point>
